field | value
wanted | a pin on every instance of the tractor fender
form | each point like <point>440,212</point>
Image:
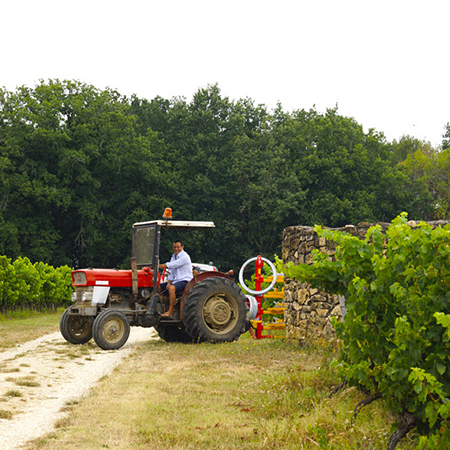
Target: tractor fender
<point>200,277</point>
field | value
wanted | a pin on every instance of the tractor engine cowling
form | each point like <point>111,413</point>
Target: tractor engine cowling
<point>94,286</point>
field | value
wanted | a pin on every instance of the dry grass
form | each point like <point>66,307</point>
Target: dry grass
<point>265,394</point>
<point>4,368</point>
<point>250,394</point>
<point>13,393</point>
<point>5,414</point>
<point>65,350</point>
<point>27,381</point>
<point>21,327</point>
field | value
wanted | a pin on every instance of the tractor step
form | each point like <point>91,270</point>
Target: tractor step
<point>169,320</point>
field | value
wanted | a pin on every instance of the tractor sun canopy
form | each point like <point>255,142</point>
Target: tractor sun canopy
<point>146,237</point>
<point>178,224</point>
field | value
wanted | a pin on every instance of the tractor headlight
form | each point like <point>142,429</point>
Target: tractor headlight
<point>86,296</point>
<point>83,295</point>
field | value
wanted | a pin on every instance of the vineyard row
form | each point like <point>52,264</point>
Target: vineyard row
<point>33,286</point>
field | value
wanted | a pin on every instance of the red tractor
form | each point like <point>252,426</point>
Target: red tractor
<point>212,307</point>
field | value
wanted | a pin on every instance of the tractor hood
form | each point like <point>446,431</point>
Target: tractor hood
<point>111,277</point>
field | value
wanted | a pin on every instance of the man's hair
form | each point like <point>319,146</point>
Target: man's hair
<point>180,241</point>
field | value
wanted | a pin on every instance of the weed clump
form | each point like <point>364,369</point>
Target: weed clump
<point>13,393</point>
<point>24,381</point>
<point>5,414</point>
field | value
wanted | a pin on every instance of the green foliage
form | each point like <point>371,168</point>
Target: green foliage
<point>395,335</point>
<point>429,173</point>
<point>33,285</point>
<point>74,170</point>
<point>446,138</point>
<point>79,165</point>
<point>406,146</point>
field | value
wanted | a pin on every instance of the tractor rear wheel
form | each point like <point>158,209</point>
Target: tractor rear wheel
<point>111,329</point>
<point>76,329</point>
<point>215,311</point>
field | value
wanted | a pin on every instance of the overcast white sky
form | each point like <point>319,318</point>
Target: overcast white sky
<point>383,62</point>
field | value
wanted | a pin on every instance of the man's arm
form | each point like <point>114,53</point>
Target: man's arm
<point>164,267</point>
<point>182,260</point>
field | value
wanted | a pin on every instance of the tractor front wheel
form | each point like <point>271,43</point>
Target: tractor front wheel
<point>111,329</point>
<point>215,311</point>
<point>76,329</point>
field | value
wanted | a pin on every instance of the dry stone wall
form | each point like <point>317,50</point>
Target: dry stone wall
<point>309,311</point>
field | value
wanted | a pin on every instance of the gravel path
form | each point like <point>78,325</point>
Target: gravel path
<point>41,377</point>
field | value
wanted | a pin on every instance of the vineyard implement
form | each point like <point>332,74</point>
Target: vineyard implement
<point>257,326</point>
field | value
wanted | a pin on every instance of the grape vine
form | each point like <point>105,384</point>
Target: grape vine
<point>33,286</point>
<point>396,334</point>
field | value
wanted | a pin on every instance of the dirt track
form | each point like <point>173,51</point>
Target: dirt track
<point>40,378</point>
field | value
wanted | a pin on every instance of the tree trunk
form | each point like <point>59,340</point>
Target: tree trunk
<point>407,423</point>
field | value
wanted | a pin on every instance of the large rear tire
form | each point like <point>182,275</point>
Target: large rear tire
<point>76,329</point>
<point>111,329</point>
<point>215,311</point>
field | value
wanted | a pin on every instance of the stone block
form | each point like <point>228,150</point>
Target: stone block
<point>295,242</point>
<point>336,311</point>
<point>303,248</point>
<point>303,296</point>
<point>296,306</point>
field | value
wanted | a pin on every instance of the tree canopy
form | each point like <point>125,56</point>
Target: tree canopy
<point>79,165</point>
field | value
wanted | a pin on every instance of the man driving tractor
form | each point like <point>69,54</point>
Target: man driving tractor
<point>180,274</point>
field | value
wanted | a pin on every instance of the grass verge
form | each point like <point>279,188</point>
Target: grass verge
<point>18,328</point>
<point>265,394</point>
